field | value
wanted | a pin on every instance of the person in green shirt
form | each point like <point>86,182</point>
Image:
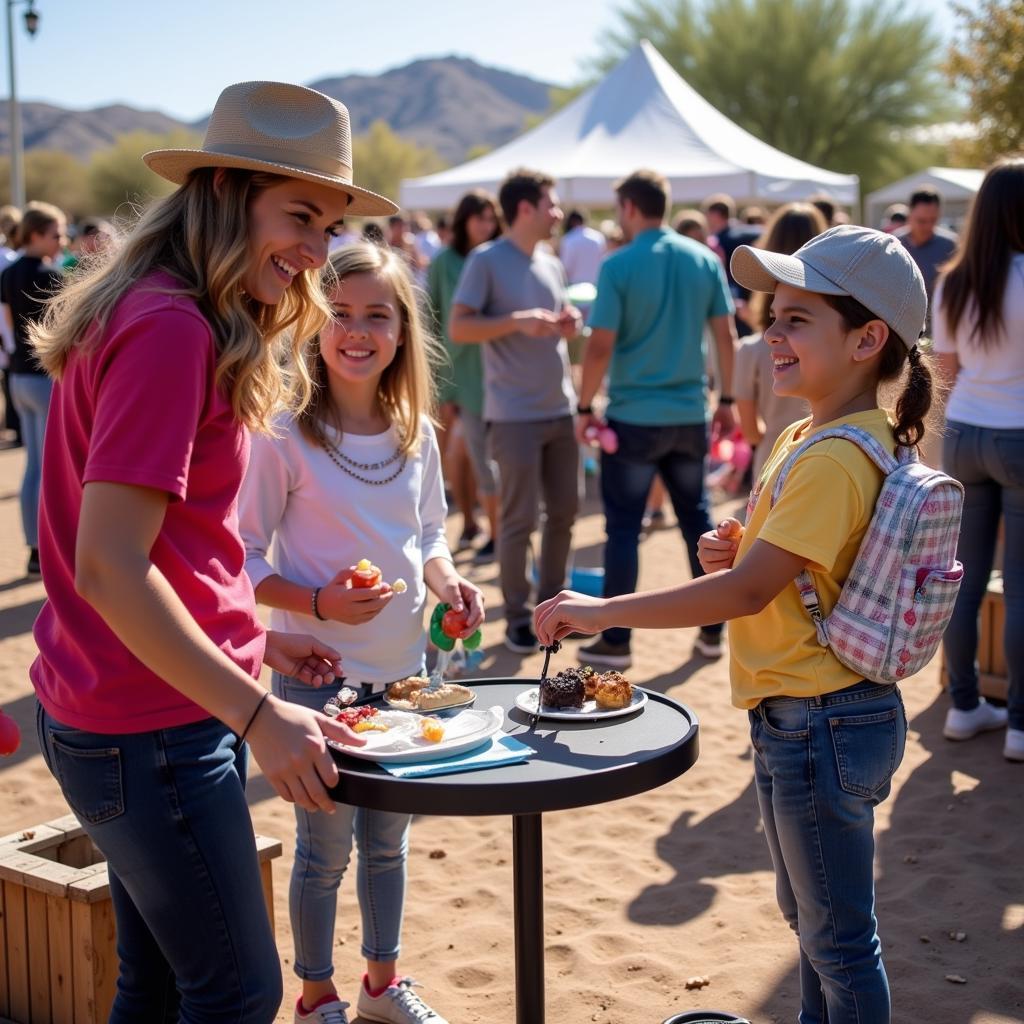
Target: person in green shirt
<point>460,388</point>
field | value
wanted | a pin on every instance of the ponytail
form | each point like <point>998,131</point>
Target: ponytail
<point>915,401</point>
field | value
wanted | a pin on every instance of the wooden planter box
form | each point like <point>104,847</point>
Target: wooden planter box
<point>993,679</point>
<point>58,947</point>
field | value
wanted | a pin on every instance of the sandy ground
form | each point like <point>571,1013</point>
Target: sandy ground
<point>643,894</point>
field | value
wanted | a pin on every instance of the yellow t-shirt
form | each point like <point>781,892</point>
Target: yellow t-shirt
<point>822,514</point>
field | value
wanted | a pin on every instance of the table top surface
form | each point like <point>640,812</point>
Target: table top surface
<point>576,763</point>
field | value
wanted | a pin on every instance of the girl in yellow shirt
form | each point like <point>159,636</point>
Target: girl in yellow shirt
<point>847,311</point>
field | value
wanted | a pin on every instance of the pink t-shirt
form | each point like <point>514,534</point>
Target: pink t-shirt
<point>141,407</point>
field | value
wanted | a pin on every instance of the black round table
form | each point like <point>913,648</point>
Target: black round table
<point>576,764</point>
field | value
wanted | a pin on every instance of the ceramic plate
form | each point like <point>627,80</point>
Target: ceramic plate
<point>403,744</point>
<point>590,712</point>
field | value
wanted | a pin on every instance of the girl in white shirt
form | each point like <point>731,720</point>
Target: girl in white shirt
<point>357,475</point>
<point>979,339</point>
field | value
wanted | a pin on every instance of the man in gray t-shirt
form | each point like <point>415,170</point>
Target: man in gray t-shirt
<point>511,299</point>
<point>928,244</point>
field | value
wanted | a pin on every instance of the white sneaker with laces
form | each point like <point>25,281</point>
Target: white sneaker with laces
<point>330,1012</point>
<point>397,1004</point>
<point>1013,749</point>
<point>964,725</point>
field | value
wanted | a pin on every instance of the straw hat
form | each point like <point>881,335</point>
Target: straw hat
<point>279,128</point>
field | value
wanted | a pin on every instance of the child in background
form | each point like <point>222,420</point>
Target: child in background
<point>357,475</point>
<point>848,309</point>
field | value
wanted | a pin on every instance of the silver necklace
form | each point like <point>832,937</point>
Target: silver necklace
<point>339,459</point>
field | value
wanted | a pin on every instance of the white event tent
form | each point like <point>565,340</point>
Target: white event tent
<point>956,186</point>
<point>642,114</point>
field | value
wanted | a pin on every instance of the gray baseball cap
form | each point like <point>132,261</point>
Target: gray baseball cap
<point>870,266</point>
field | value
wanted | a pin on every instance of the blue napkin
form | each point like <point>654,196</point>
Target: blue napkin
<point>499,750</point>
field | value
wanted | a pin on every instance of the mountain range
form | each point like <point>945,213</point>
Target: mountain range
<point>450,104</point>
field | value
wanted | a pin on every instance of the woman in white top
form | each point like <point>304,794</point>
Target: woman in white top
<point>979,339</point>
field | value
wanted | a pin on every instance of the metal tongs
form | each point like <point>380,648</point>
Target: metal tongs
<point>553,648</point>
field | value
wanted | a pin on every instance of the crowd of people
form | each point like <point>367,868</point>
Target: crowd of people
<point>324,394</point>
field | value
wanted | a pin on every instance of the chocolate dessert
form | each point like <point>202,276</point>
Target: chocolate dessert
<point>564,690</point>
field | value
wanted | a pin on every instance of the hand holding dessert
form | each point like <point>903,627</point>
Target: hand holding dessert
<point>356,595</point>
<point>717,548</point>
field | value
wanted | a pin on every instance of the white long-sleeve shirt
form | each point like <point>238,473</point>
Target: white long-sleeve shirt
<point>323,520</point>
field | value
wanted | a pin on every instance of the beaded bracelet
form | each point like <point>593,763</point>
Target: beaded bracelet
<point>252,717</point>
<point>314,605</point>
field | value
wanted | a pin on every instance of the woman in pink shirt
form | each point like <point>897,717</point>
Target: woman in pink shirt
<point>165,356</point>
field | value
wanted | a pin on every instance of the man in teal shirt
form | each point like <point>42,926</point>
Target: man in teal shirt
<point>654,298</point>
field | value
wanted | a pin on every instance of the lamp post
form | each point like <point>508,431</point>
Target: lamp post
<point>17,150</point>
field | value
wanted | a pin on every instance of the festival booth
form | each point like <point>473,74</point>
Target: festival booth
<point>956,186</point>
<point>642,114</point>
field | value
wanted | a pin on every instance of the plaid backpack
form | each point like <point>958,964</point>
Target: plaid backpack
<point>898,598</point>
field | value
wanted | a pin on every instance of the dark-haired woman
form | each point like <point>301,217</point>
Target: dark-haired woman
<point>25,285</point>
<point>979,338</point>
<point>461,388</point>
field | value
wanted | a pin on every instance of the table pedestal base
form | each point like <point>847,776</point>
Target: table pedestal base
<point>528,873</point>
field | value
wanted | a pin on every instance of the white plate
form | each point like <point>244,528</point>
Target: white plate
<point>590,712</point>
<point>403,744</point>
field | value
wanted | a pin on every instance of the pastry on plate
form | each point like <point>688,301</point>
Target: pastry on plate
<point>444,696</point>
<point>565,689</point>
<point>405,688</point>
<point>613,691</point>
<point>590,681</point>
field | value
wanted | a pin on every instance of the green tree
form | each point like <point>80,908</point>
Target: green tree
<point>828,81</point>
<point>986,60</point>
<point>382,159</point>
<point>51,177</point>
<point>117,175</point>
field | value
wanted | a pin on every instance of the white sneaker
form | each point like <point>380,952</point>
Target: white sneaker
<point>1013,749</point>
<point>708,645</point>
<point>330,1011</point>
<point>397,1004</point>
<point>963,725</point>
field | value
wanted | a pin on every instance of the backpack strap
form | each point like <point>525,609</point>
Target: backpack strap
<point>880,456</point>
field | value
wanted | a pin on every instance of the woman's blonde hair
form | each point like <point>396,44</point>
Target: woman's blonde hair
<point>199,234</point>
<point>406,390</point>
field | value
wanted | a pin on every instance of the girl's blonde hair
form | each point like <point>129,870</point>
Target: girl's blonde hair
<point>200,236</point>
<point>406,390</point>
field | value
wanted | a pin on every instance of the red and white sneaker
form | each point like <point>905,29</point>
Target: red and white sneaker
<point>397,1004</point>
<point>328,1010</point>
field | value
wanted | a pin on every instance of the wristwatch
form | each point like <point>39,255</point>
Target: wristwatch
<point>726,400</point>
<point>584,410</point>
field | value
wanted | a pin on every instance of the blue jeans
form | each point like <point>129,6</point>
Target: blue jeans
<point>679,454</point>
<point>821,765</point>
<point>30,393</point>
<point>323,846</point>
<point>167,810</point>
<point>990,465</point>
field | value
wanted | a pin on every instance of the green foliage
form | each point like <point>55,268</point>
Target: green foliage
<point>50,177</point>
<point>828,81</point>
<point>117,175</point>
<point>382,159</point>
<point>987,62</point>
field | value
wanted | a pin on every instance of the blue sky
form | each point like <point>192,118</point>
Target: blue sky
<point>176,55</point>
